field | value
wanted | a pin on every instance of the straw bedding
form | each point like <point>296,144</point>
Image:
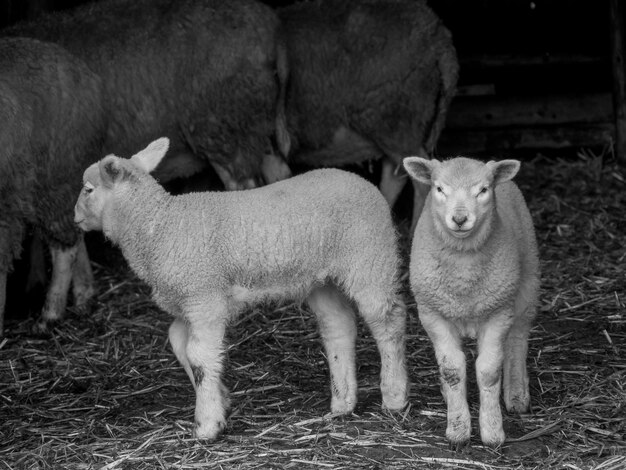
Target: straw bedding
<point>104,390</point>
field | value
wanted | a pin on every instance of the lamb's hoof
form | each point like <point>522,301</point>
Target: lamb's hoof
<point>83,300</point>
<point>458,446</point>
<point>342,406</point>
<point>336,416</point>
<point>42,327</point>
<point>397,400</point>
<point>493,437</point>
<point>84,308</point>
<point>518,404</point>
<point>396,406</point>
<point>459,432</point>
<point>209,431</point>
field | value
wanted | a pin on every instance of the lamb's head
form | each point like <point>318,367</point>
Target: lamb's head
<point>462,199</point>
<point>101,180</point>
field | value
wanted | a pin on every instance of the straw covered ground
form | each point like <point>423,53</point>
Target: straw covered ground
<point>104,391</point>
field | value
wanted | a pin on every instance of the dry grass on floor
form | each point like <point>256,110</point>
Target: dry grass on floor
<point>104,391</point>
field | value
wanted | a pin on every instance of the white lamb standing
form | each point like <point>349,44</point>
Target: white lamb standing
<point>326,235</point>
<point>475,273</point>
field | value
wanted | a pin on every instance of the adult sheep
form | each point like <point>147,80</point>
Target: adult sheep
<point>202,72</point>
<point>475,272</point>
<point>368,79</point>
<point>51,126</point>
<point>326,235</point>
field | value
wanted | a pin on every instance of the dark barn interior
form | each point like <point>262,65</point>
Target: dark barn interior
<point>540,81</point>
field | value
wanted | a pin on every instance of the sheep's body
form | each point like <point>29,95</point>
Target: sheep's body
<point>368,79</point>
<point>202,72</point>
<point>320,235</point>
<point>475,273</point>
<point>50,119</point>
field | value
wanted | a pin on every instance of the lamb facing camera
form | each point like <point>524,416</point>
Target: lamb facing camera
<point>475,273</point>
<point>326,236</point>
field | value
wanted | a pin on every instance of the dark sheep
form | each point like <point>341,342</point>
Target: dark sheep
<point>206,73</point>
<point>201,72</point>
<point>50,119</point>
<point>368,79</point>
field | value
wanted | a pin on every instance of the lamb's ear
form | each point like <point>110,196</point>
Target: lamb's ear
<point>111,170</point>
<point>150,157</point>
<point>420,168</point>
<point>503,170</point>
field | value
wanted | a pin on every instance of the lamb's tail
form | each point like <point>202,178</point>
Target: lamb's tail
<point>283,140</point>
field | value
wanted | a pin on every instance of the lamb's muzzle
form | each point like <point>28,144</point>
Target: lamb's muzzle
<point>459,219</point>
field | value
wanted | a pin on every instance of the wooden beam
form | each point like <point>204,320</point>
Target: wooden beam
<point>500,140</point>
<point>493,111</point>
<point>499,61</point>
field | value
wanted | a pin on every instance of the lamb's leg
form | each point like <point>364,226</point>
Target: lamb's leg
<point>338,330</point>
<point>386,319</point>
<point>56,297</point>
<point>205,348</point>
<point>515,373</point>
<point>392,180</point>
<point>82,277</point>
<point>178,335</point>
<point>489,376</point>
<point>451,360</point>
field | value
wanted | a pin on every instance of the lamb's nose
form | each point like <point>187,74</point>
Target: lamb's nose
<point>459,219</point>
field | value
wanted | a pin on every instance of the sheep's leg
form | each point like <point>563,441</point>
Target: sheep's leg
<point>206,328</point>
<point>338,330</point>
<point>392,180</point>
<point>82,277</point>
<point>56,297</point>
<point>515,373</point>
<point>451,360</point>
<point>37,275</point>
<point>178,335</point>
<point>274,168</point>
<point>230,183</point>
<point>489,376</point>
<point>386,319</point>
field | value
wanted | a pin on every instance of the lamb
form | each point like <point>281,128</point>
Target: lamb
<point>475,273</point>
<point>51,127</point>
<point>326,236</point>
<point>203,72</point>
<point>368,79</point>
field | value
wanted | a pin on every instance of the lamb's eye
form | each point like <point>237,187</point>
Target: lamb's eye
<point>483,190</point>
<point>439,189</point>
<point>88,189</point>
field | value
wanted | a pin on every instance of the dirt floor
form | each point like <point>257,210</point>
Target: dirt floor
<point>104,390</point>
